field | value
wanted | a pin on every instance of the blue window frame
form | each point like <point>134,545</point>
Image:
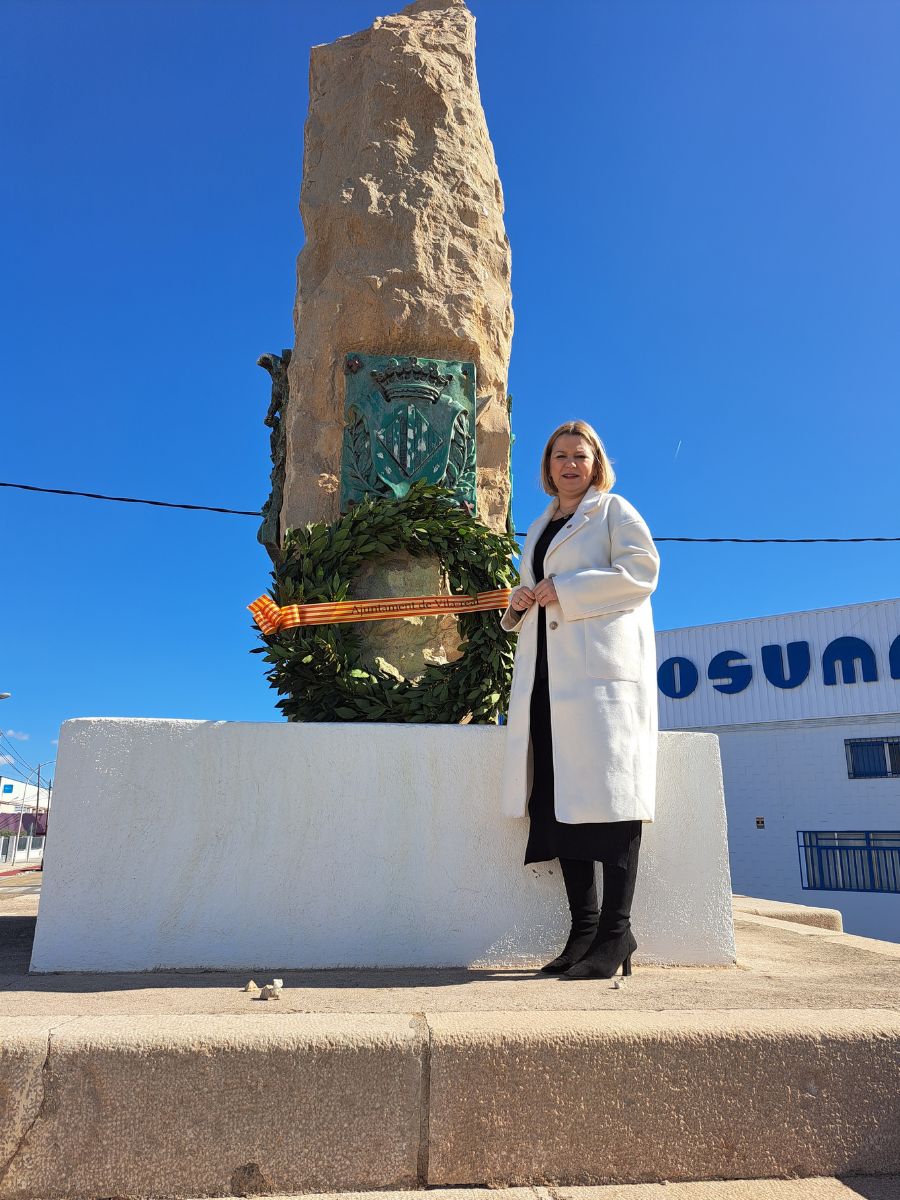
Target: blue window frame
<point>873,758</point>
<point>849,860</point>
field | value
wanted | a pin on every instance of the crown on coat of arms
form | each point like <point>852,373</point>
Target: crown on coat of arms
<point>409,381</point>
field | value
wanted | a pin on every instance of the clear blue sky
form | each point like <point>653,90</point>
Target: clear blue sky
<point>702,201</point>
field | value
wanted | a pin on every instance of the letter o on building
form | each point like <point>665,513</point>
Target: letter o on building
<point>677,678</point>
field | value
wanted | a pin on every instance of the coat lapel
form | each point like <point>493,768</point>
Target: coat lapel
<point>589,507</point>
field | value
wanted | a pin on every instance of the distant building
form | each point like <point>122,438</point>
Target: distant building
<point>23,821</point>
<point>807,709</point>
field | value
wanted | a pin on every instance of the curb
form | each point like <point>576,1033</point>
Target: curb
<point>317,1102</point>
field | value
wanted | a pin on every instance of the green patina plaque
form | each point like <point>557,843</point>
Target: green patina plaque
<point>405,419</point>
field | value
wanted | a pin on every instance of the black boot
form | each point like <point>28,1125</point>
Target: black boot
<point>614,943</point>
<point>581,892</point>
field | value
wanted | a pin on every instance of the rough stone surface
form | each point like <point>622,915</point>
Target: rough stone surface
<point>780,967</point>
<point>23,1050</point>
<point>577,1098</point>
<point>869,1187</point>
<point>803,914</point>
<point>753,1059</point>
<point>161,1107</point>
<point>412,641</point>
<point>405,249</point>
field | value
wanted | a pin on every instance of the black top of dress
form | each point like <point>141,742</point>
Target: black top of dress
<point>537,569</point>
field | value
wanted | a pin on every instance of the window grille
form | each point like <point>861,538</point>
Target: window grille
<point>850,861</point>
<point>873,758</point>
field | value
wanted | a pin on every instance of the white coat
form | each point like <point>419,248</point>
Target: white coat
<point>601,663</point>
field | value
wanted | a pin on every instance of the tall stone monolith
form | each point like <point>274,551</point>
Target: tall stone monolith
<point>405,254</point>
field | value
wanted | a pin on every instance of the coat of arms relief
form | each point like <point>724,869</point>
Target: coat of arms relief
<point>405,419</point>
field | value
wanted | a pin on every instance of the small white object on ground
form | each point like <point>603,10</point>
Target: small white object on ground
<point>251,986</point>
<point>278,983</point>
<point>270,992</point>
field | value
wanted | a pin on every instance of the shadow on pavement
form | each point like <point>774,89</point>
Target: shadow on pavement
<point>17,936</point>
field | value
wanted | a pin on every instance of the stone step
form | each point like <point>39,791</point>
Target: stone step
<point>872,1187</point>
<point>314,1102</point>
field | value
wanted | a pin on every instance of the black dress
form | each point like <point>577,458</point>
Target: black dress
<point>600,841</point>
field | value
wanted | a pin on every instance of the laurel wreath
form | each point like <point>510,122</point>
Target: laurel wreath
<point>316,669</point>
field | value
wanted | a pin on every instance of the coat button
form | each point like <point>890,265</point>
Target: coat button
<point>553,624</point>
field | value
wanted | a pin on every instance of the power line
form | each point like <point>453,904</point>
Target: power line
<point>776,541</point>
<point>27,487</point>
<point>16,772</point>
<point>243,512</point>
<point>18,760</point>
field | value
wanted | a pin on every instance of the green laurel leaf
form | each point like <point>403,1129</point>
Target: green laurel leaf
<point>316,669</point>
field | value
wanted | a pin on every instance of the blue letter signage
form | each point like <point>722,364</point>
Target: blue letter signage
<point>798,664</point>
<point>677,678</point>
<point>736,676</point>
<point>729,671</point>
<point>846,651</point>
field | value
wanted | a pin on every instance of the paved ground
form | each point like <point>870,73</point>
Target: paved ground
<point>884,1187</point>
<point>781,965</point>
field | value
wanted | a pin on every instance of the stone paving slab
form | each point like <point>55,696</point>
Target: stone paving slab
<point>216,1105</point>
<point>585,1097</point>
<point>781,965</point>
<point>177,1083</point>
<point>151,1106</point>
<point>883,1187</point>
<point>804,914</point>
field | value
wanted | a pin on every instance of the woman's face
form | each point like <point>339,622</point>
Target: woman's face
<point>572,463</point>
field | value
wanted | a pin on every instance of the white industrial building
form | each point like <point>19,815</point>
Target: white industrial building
<point>23,822</point>
<point>807,709</point>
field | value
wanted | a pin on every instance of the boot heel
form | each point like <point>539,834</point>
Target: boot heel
<point>626,967</point>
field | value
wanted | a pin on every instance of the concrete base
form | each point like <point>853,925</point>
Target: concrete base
<point>803,914</point>
<point>883,1187</point>
<point>184,1085</point>
<point>231,845</point>
<point>181,1106</point>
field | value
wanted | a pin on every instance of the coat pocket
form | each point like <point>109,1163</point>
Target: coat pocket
<point>612,646</point>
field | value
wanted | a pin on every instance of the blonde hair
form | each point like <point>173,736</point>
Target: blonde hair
<point>603,476</point>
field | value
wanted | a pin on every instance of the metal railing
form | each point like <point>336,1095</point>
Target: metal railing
<point>850,861</point>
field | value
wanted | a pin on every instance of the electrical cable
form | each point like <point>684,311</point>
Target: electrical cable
<point>243,512</point>
<point>15,772</point>
<point>22,763</point>
<point>27,487</point>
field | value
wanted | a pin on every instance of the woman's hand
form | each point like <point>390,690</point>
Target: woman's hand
<point>521,598</point>
<point>545,592</point>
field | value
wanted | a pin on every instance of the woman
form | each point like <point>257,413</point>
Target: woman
<point>582,723</point>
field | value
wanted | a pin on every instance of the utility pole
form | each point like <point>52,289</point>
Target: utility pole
<point>37,803</point>
<point>22,812</point>
<point>19,830</point>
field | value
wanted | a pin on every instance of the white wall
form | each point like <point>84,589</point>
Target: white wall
<point>23,849</point>
<point>877,623</point>
<point>314,845</point>
<point>22,795</point>
<point>796,777</point>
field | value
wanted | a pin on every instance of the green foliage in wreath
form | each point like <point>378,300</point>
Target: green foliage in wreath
<point>316,669</point>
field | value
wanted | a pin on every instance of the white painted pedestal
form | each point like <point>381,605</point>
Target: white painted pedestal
<point>212,844</point>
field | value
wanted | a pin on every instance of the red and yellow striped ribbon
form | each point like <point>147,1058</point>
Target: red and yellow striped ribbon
<point>270,618</point>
